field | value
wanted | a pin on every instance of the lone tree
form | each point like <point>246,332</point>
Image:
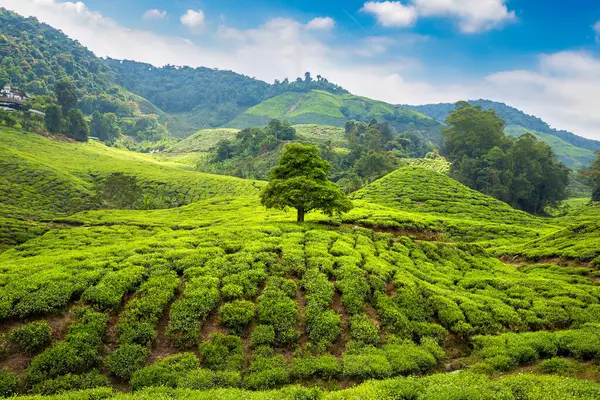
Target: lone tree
<point>595,175</point>
<point>300,181</point>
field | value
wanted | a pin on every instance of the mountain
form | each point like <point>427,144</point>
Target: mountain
<point>324,108</point>
<point>575,151</point>
<point>34,56</point>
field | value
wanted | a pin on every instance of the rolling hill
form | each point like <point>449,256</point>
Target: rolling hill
<point>324,108</point>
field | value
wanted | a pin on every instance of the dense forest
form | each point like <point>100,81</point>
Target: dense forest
<point>523,172</point>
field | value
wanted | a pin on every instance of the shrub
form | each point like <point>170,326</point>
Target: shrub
<point>127,359</point>
<point>237,315</point>
<point>232,291</point>
<point>204,379</point>
<point>556,366</point>
<point>267,370</point>
<point>71,382</point>
<point>363,330</point>
<point>324,367</point>
<point>77,354</point>
<point>165,372</point>
<point>223,352</point>
<point>8,383</point>
<point>200,296</point>
<point>408,358</point>
<point>262,335</point>
<point>323,328</point>
<point>32,337</point>
<point>366,363</point>
<point>275,308</point>
<point>108,293</point>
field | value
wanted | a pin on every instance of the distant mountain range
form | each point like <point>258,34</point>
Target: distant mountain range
<point>34,56</point>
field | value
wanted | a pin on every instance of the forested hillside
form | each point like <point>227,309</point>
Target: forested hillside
<point>575,151</point>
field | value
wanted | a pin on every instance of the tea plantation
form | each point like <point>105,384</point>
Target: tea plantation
<point>425,290</point>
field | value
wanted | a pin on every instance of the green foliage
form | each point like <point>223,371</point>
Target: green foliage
<point>78,353</point>
<point>300,181</point>
<point>54,119</point>
<point>32,337</point>
<point>66,94</point>
<point>204,379</point>
<point>127,359</point>
<point>276,308</point>
<point>165,372</point>
<point>201,295</point>
<point>263,335</point>
<point>595,175</point>
<point>524,173</point>
<point>222,352</point>
<point>237,315</point>
<point>324,367</point>
<point>556,365</point>
<point>105,127</point>
<point>77,127</point>
<point>71,382</point>
<point>363,330</point>
<point>8,383</point>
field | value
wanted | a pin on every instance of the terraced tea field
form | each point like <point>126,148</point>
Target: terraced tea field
<point>223,299</point>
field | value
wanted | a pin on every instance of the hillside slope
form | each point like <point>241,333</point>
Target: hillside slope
<point>424,190</point>
<point>324,108</point>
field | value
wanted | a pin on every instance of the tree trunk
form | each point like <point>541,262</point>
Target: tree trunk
<point>300,215</point>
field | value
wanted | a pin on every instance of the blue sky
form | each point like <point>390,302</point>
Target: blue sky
<point>540,56</point>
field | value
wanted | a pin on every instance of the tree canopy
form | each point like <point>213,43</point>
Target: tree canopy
<point>523,172</point>
<point>596,178</point>
<point>300,181</point>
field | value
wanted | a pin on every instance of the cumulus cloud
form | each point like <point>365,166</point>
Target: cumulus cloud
<point>192,19</point>
<point>321,24</point>
<point>472,15</point>
<point>562,89</point>
<point>154,14</point>
<point>391,13</point>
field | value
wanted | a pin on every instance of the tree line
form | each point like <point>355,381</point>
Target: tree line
<point>523,172</point>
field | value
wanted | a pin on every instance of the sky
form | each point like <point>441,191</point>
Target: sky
<point>542,57</point>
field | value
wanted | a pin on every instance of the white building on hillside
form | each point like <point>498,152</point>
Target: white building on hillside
<point>8,92</point>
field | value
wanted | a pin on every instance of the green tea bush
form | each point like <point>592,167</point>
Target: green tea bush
<point>232,291</point>
<point>32,337</point>
<point>127,359</point>
<point>71,382</point>
<point>267,370</point>
<point>204,379</point>
<point>237,315</point>
<point>366,363</point>
<point>77,354</point>
<point>165,372</point>
<point>262,335</point>
<point>108,293</point>
<point>556,366</point>
<point>223,352</point>
<point>322,367</point>
<point>408,358</point>
<point>201,296</point>
<point>137,323</point>
<point>363,330</point>
<point>276,308</point>
<point>8,383</point>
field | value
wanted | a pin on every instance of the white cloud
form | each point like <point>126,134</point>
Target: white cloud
<point>391,13</point>
<point>596,28</point>
<point>192,19</point>
<point>562,89</point>
<point>321,24</point>
<point>154,14</point>
<point>472,15</point>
